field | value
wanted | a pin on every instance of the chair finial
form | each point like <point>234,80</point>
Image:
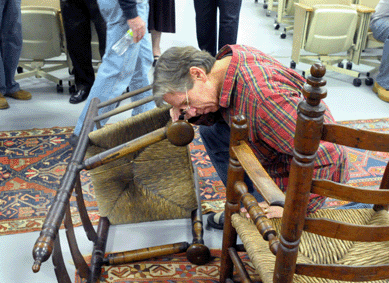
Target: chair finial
<point>314,89</point>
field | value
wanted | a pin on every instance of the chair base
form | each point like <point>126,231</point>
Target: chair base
<point>36,69</point>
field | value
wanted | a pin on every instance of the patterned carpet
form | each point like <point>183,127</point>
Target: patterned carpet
<point>32,163</point>
<point>173,268</point>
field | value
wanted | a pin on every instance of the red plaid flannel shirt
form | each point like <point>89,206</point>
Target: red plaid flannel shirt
<point>267,93</point>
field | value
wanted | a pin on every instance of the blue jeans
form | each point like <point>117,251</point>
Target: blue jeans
<point>11,42</point>
<point>216,140</point>
<point>380,29</point>
<point>117,72</point>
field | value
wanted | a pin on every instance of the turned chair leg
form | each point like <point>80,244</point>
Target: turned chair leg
<point>198,253</point>
<point>99,250</point>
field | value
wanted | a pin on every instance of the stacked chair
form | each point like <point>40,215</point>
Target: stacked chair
<point>43,41</point>
<point>141,171</point>
<point>285,16</point>
<point>371,51</point>
<point>330,32</point>
<point>330,245</point>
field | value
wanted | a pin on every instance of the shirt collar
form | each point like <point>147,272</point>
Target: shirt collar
<point>228,84</point>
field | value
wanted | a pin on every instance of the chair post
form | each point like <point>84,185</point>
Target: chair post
<point>239,131</point>
<point>99,250</point>
<point>307,138</point>
<point>44,244</point>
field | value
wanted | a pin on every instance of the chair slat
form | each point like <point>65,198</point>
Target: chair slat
<point>344,192</point>
<point>356,138</point>
<point>344,273</point>
<point>262,181</point>
<point>345,231</point>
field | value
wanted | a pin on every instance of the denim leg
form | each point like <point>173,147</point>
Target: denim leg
<point>355,205</point>
<point>117,72</point>
<point>380,30</point>
<point>216,140</point>
<point>11,42</point>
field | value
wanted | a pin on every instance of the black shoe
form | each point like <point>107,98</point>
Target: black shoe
<point>216,220</point>
<point>79,96</point>
<point>156,57</point>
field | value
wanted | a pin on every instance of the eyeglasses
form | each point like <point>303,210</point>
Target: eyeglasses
<point>187,103</point>
<point>183,111</point>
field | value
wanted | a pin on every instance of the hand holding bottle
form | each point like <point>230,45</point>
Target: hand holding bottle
<point>138,27</point>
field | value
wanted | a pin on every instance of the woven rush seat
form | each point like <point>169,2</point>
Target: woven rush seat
<point>316,249</point>
<point>155,183</point>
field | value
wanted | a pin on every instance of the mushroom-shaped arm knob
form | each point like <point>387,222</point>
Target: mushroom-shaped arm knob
<point>180,133</point>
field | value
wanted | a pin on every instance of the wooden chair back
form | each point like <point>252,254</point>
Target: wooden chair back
<point>310,131</point>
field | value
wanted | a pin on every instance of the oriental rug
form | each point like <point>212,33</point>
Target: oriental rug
<point>173,269</point>
<point>32,163</point>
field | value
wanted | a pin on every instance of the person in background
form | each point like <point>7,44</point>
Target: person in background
<point>77,17</point>
<point>11,42</point>
<point>379,25</point>
<point>242,80</point>
<point>162,18</point>
<point>206,23</point>
<point>117,72</point>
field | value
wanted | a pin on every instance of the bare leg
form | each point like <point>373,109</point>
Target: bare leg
<point>155,41</point>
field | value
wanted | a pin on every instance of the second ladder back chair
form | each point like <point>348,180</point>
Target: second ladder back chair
<point>141,171</point>
<point>329,245</point>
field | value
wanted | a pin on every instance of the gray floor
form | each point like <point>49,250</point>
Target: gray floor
<point>48,109</point>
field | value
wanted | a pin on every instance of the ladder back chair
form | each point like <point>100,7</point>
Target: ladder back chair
<point>329,245</point>
<point>141,171</point>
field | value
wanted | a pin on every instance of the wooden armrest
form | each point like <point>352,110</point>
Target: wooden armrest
<point>364,9</point>
<point>262,181</point>
<point>304,7</point>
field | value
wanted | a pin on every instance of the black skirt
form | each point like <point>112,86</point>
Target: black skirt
<point>162,16</point>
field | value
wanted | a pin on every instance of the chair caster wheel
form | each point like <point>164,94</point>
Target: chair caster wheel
<point>349,65</point>
<point>303,74</point>
<point>60,87</point>
<point>198,254</point>
<point>283,35</point>
<point>276,26</point>
<point>293,65</point>
<point>357,82</point>
<point>265,6</point>
<point>369,81</point>
<point>340,65</point>
<point>19,70</point>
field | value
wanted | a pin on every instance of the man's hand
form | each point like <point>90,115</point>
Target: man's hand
<point>270,211</point>
<point>174,114</point>
<point>138,27</point>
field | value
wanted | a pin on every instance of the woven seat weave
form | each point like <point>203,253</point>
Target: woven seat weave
<point>316,249</point>
<point>156,183</point>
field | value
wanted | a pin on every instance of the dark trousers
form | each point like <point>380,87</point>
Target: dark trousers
<point>77,17</point>
<point>206,23</point>
<point>216,140</point>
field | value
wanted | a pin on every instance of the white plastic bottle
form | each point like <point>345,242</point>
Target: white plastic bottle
<point>122,45</point>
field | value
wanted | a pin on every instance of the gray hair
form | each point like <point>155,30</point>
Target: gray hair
<point>171,74</point>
